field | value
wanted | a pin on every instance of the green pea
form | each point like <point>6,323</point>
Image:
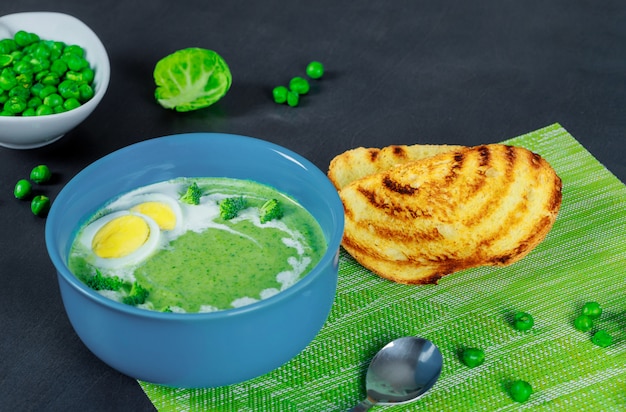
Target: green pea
<point>88,75</point>
<point>59,109</point>
<point>472,357</point>
<point>40,174</point>
<point>74,62</point>
<point>23,38</point>
<point>7,81</point>
<point>74,76</point>
<point>23,67</point>
<point>20,91</point>
<point>293,98</point>
<point>523,321</point>
<point>71,103</point>
<point>602,338</point>
<point>51,79</point>
<point>4,96</point>
<point>5,60</point>
<point>86,92</point>
<point>592,309</point>
<point>34,102</point>
<point>315,70</point>
<point>520,391</point>
<point>583,323</point>
<point>43,110</point>
<point>7,46</point>
<point>30,111</point>
<point>15,105</point>
<point>299,85</point>
<point>40,205</point>
<point>53,100</point>
<point>75,50</point>
<point>59,67</point>
<point>280,94</point>
<point>47,90</point>
<point>69,89</point>
<point>23,189</point>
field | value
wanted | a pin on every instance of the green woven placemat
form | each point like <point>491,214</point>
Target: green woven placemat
<point>583,258</point>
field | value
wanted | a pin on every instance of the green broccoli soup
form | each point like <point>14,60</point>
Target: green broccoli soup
<point>196,245</point>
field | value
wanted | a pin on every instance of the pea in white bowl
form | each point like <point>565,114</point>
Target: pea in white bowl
<point>30,132</point>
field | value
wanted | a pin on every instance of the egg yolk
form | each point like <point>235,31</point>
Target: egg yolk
<point>120,237</point>
<point>161,213</point>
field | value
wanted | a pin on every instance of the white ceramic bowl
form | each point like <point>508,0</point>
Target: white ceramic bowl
<point>36,131</point>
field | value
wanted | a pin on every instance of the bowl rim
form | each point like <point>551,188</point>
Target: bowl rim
<point>331,254</point>
<point>100,87</point>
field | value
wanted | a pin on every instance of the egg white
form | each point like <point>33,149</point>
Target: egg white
<point>140,254</point>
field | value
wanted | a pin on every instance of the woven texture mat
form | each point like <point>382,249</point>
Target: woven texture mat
<point>582,259</point>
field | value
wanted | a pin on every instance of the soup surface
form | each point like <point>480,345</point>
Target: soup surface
<point>187,257</point>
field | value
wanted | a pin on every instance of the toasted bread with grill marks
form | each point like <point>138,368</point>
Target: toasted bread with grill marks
<point>476,206</point>
<point>360,162</point>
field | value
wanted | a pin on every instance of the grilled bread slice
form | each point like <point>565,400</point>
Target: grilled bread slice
<point>476,206</point>
<point>360,162</point>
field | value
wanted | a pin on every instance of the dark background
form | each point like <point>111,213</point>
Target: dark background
<point>398,72</point>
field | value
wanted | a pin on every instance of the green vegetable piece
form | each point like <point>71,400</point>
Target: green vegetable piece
<point>71,104</point>
<point>50,79</point>
<point>192,194</point>
<point>315,70</point>
<point>15,105</point>
<point>47,90</point>
<point>40,205</point>
<point>231,206</point>
<point>34,102</point>
<point>293,99</point>
<point>30,111</point>
<point>23,38</point>
<point>40,174</point>
<point>86,92</point>
<point>270,210</point>
<point>191,79</point>
<point>523,321</point>
<point>602,339</point>
<point>101,282</point>
<point>520,391</point>
<point>7,46</point>
<point>472,357</point>
<point>592,309</point>
<point>88,75</point>
<point>43,110</point>
<point>69,89</point>
<point>7,79</point>
<point>23,189</point>
<point>75,50</point>
<point>299,85</point>
<point>53,100</point>
<point>136,296</point>
<point>59,67</point>
<point>583,323</point>
<point>5,60</point>
<point>280,94</point>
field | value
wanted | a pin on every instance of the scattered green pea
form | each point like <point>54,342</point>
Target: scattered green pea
<point>293,98</point>
<point>315,70</point>
<point>40,205</point>
<point>583,323</point>
<point>23,189</point>
<point>520,391</point>
<point>592,309</point>
<point>299,85</point>
<point>40,174</point>
<point>602,338</point>
<point>280,94</point>
<point>523,321</point>
<point>472,357</point>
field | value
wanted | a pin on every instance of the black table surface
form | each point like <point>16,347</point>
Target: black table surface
<point>398,72</point>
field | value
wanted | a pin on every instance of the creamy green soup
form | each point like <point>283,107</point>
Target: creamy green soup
<point>189,258</point>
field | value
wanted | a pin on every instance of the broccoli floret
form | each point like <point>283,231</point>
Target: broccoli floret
<point>230,207</point>
<point>192,195</point>
<point>270,210</point>
<point>136,296</point>
<point>101,282</point>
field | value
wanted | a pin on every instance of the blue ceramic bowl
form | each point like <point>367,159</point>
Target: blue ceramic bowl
<point>203,349</point>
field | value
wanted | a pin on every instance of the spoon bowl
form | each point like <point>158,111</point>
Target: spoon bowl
<point>401,372</point>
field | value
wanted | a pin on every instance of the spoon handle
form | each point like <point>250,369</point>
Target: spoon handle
<point>365,405</point>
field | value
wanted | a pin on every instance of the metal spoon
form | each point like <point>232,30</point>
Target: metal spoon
<point>401,372</point>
